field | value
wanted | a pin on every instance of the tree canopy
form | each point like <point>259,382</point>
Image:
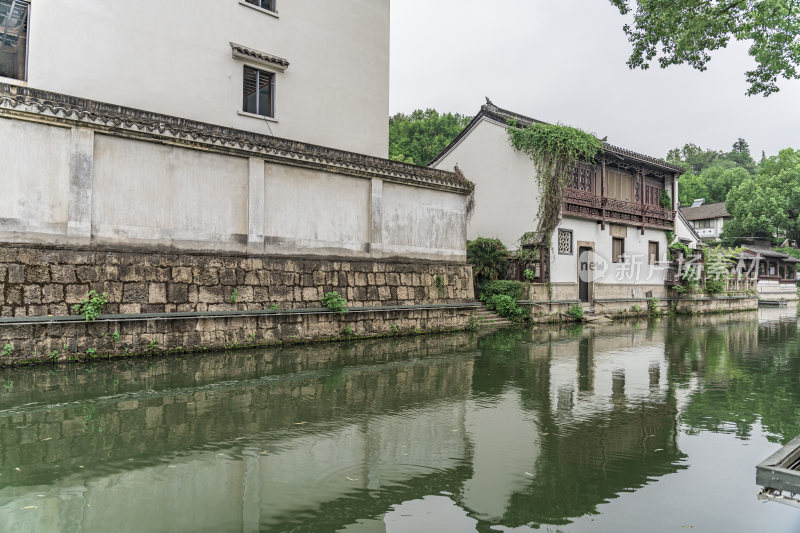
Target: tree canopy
<point>768,205</point>
<point>418,137</point>
<point>711,174</point>
<point>687,31</point>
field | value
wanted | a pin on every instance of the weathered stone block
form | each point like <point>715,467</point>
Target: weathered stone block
<point>16,273</point>
<point>156,274</point>
<point>246,294</point>
<point>182,275</point>
<point>157,293</point>
<point>261,295</point>
<point>62,273</point>
<point>131,273</point>
<point>203,276</point>
<point>87,274</point>
<point>311,294</point>
<point>210,295</point>
<point>135,293</point>
<point>178,293</point>
<point>37,274</point>
<point>52,294</point>
<point>227,276</point>
<point>37,310</point>
<point>75,293</point>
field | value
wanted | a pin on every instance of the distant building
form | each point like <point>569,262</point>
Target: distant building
<point>706,219</point>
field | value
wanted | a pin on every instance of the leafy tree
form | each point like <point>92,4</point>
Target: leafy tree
<point>769,205</point>
<point>687,31</point>
<point>419,137</point>
<point>711,174</point>
<point>692,157</point>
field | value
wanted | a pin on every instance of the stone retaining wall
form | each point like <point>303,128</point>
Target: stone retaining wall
<point>41,281</point>
<point>34,340</point>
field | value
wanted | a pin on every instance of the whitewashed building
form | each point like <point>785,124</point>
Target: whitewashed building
<point>322,68</point>
<point>256,126</point>
<point>611,241</point>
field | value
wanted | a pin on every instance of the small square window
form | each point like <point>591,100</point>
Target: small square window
<point>259,92</point>
<point>564,242</point>
<point>14,39</point>
<point>269,5</point>
<point>617,250</point>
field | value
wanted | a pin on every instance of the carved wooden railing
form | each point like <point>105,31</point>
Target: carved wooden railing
<point>586,204</point>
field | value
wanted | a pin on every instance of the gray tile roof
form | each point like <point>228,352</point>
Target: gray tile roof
<point>504,115</point>
<point>705,212</point>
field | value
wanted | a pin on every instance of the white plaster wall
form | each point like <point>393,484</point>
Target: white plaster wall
<point>312,209</point>
<point>506,192</point>
<point>418,222</point>
<point>144,191</point>
<point>34,183</point>
<point>683,232</point>
<point>635,271</point>
<point>174,57</point>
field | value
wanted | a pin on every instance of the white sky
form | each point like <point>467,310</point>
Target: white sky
<point>565,61</point>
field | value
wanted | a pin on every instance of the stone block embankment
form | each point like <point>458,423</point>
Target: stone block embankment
<point>42,281</point>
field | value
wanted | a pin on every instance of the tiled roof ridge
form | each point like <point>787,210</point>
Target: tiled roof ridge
<point>64,108</point>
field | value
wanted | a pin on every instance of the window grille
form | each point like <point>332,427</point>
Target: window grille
<point>259,92</point>
<point>564,242</point>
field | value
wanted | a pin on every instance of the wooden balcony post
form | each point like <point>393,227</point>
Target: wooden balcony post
<point>603,195</point>
<point>641,196</point>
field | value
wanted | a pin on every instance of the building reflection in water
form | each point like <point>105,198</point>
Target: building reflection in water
<point>514,427</point>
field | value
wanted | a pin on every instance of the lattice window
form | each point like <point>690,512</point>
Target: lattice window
<point>583,178</point>
<point>564,242</point>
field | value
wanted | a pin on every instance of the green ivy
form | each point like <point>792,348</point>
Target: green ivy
<point>555,150</point>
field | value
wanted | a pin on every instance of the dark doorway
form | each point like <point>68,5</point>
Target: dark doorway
<point>584,274</point>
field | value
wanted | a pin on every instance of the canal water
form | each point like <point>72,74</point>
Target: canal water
<point>646,426</point>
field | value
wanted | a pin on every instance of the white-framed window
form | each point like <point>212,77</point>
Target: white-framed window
<point>258,96</point>
<point>14,15</point>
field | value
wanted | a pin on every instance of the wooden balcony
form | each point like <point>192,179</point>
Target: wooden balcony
<point>586,204</point>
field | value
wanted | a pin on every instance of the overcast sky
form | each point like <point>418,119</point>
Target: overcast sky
<point>564,61</point>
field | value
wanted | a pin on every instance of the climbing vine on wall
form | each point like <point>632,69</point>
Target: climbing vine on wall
<point>555,150</point>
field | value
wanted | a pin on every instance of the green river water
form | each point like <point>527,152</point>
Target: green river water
<point>648,426</point>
